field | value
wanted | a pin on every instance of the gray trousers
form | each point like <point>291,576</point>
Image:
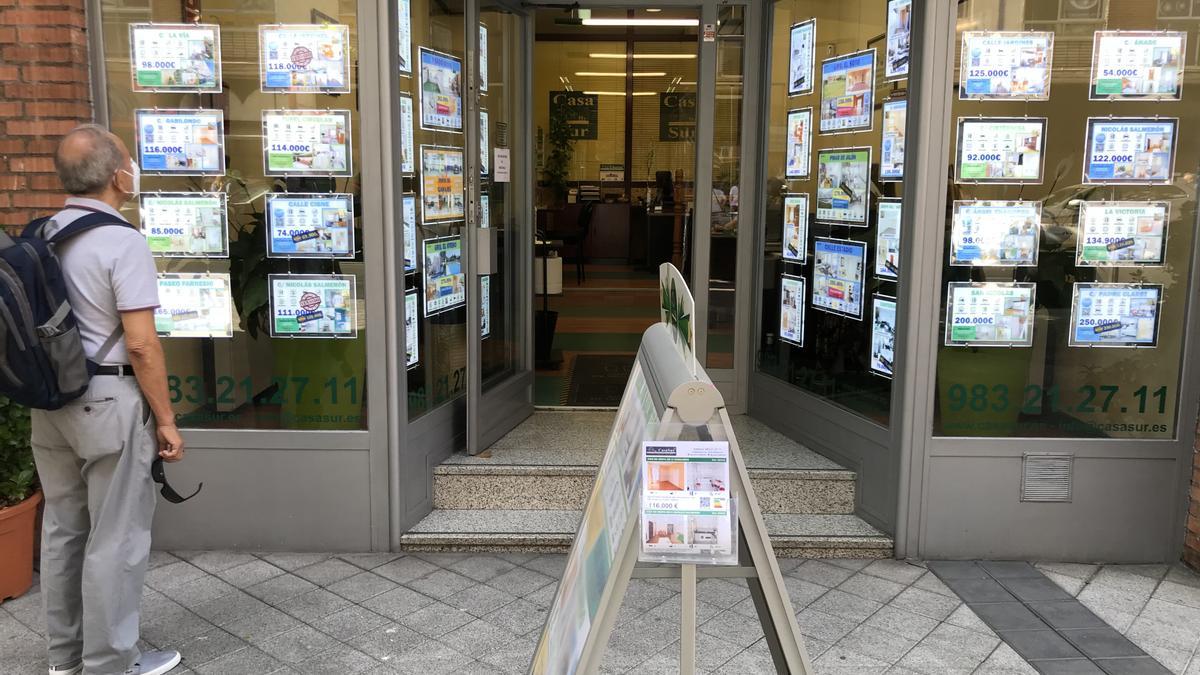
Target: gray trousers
<point>93,457</point>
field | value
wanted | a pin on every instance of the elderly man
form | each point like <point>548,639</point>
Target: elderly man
<point>94,455</point>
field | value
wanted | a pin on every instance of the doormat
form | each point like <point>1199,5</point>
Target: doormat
<point>599,379</point>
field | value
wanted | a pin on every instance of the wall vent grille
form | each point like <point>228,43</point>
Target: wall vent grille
<point>1046,477</point>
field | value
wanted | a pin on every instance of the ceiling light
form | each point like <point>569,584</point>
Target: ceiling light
<point>641,56</point>
<point>653,9</point>
<point>603,74</point>
<point>641,22</point>
<point>621,93</point>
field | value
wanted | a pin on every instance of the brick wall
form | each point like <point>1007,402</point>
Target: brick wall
<point>44,80</point>
<point>1191,545</point>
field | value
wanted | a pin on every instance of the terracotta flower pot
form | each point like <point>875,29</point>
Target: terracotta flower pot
<point>16,547</point>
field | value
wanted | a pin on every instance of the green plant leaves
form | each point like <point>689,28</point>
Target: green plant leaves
<point>18,475</point>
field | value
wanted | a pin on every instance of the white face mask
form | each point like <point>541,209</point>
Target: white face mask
<point>136,174</point>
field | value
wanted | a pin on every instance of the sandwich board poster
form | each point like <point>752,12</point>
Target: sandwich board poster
<point>990,314</point>
<point>1115,315</point>
<point>1137,65</point>
<point>441,184</point>
<point>441,91</point>
<point>838,274</point>
<point>305,58</point>
<point>1000,149</point>
<point>409,216</point>
<point>799,142</point>
<point>404,28</point>
<point>844,185</point>
<point>883,335</point>
<point>899,37</point>
<point>483,58</point>
<point>181,58</point>
<point>795,228</point>
<point>1122,234</point>
<point>887,239</point>
<point>848,93</point>
<point>485,307</point>
<point>181,142</point>
<point>312,305</point>
<point>445,278</point>
<point>995,233</point>
<point>194,306</point>
<point>686,506</point>
<point>412,337</point>
<point>408,159</point>
<point>310,225</point>
<point>485,166</point>
<point>1006,65</point>
<point>306,142</point>
<point>1130,150</point>
<point>801,39</point>
<point>185,224</point>
<point>891,148</point>
<point>792,300</point>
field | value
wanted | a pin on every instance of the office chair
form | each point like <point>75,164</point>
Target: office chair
<point>575,238</point>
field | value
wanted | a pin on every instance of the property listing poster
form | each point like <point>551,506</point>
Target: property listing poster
<point>1006,65</point>
<point>441,91</point>
<point>995,233</point>
<point>181,142</point>
<point>441,183</point>
<point>795,228</point>
<point>305,58</point>
<point>1115,315</point>
<point>483,58</point>
<point>848,92</point>
<point>1138,65</point>
<point>1000,149</point>
<point>485,307</point>
<point>1122,234</point>
<point>310,225</point>
<point>306,142</point>
<point>445,278</point>
<point>175,57</point>
<point>891,149</point>
<point>485,167</point>
<point>485,211</point>
<point>313,305</point>
<point>844,185</point>
<point>1130,150</point>
<point>408,157</point>
<point>194,306</point>
<point>800,57</point>
<point>412,336</point>
<point>883,335</point>
<point>899,37</point>
<point>799,142</point>
<point>685,500</point>
<point>792,300</point>
<point>887,239</point>
<point>409,216</point>
<point>185,224</point>
<point>989,314</point>
<point>838,276</point>
<point>404,28</point>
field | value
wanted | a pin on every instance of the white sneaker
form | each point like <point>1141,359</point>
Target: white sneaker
<point>155,663</point>
<point>73,669</point>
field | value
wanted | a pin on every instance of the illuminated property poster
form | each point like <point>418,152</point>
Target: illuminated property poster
<point>310,225</point>
<point>844,185</point>
<point>485,166</point>
<point>1000,149</point>
<point>412,336</point>
<point>441,183</point>
<point>1142,65</point>
<point>485,211</point>
<point>838,274</point>
<point>795,227</point>
<point>408,156</point>
<point>485,307</point>
<point>409,216</point>
<point>887,239</point>
<point>891,149</point>
<point>799,142</point>
<point>306,142</point>
<point>989,314</point>
<point>185,224</point>
<point>685,505</point>
<point>445,278</point>
<point>175,57</point>
<point>181,142</point>
<point>1122,234</point>
<point>483,58</point>
<point>792,300</point>
<point>800,57</point>
<point>1006,65</point>
<point>995,233</point>
<point>194,306</point>
<point>312,305</point>
<point>441,91</point>
<point>883,335</point>
<point>404,29</point>
<point>848,92</point>
<point>304,58</point>
<point>1130,150</point>
<point>1115,315</point>
<point>899,37</point>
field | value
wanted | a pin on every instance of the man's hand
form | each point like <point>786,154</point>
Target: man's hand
<point>170,443</point>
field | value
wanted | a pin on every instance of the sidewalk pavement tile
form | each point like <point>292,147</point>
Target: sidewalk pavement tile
<point>902,622</point>
<point>519,616</point>
<point>1064,615</point>
<point>215,561</point>
<point>481,567</point>
<point>1179,594</point>
<point>1124,580</point>
<point>824,627</point>
<point>1040,644</point>
<point>278,589</point>
<point>327,571</point>
<point>895,570</point>
<point>403,570</point>
<point>520,581</point>
<point>397,603</point>
<point>930,582</point>
<point>478,638</point>
<point>958,569</point>
<point>979,590</point>
<point>1077,570</point>
<point>842,661</point>
<point>349,623</point>
<point>754,659</point>
<point>387,640</point>
<point>965,617</point>
<point>362,586</point>
<point>340,660</point>
<point>1008,616</point>
<point>846,606</point>
<point>479,600</point>
<point>1005,661</point>
<point>314,605</point>
<point>260,627</point>
<point>204,647</point>
<point>822,573</point>
<point>1034,590</point>
<point>1079,666</point>
<point>250,573</point>
<point>293,561</point>
<point>513,657</point>
<point>872,588</point>
<point>173,574</point>
<point>440,584</point>
<point>1132,666</point>
<point>248,660</point>
<point>369,561</point>
<point>428,658</point>
<point>720,592</point>
<point>436,620</point>
<point>199,591</point>
<point>297,644</point>
<point>229,608</point>
<point>1071,585</point>
<point>949,649</point>
<point>802,592</point>
<point>876,643</point>
<point>1010,569</point>
<point>926,603</point>
<point>734,628</point>
<point>551,564</point>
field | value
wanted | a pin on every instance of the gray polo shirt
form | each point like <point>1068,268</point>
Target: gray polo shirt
<point>108,270</point>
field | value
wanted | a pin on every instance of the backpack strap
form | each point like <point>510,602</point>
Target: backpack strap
<point>81,225</point>
<point>109,345</point>
<point>35,226</point>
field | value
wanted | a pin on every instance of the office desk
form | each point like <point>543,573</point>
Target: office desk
<point>608,236</point>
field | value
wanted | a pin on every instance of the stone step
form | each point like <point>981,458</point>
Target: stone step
<point>553,530</point>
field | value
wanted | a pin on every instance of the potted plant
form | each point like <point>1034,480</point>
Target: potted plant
<point>19,499</point>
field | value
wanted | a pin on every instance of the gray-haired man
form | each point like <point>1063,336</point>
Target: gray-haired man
<point>94,455</point>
